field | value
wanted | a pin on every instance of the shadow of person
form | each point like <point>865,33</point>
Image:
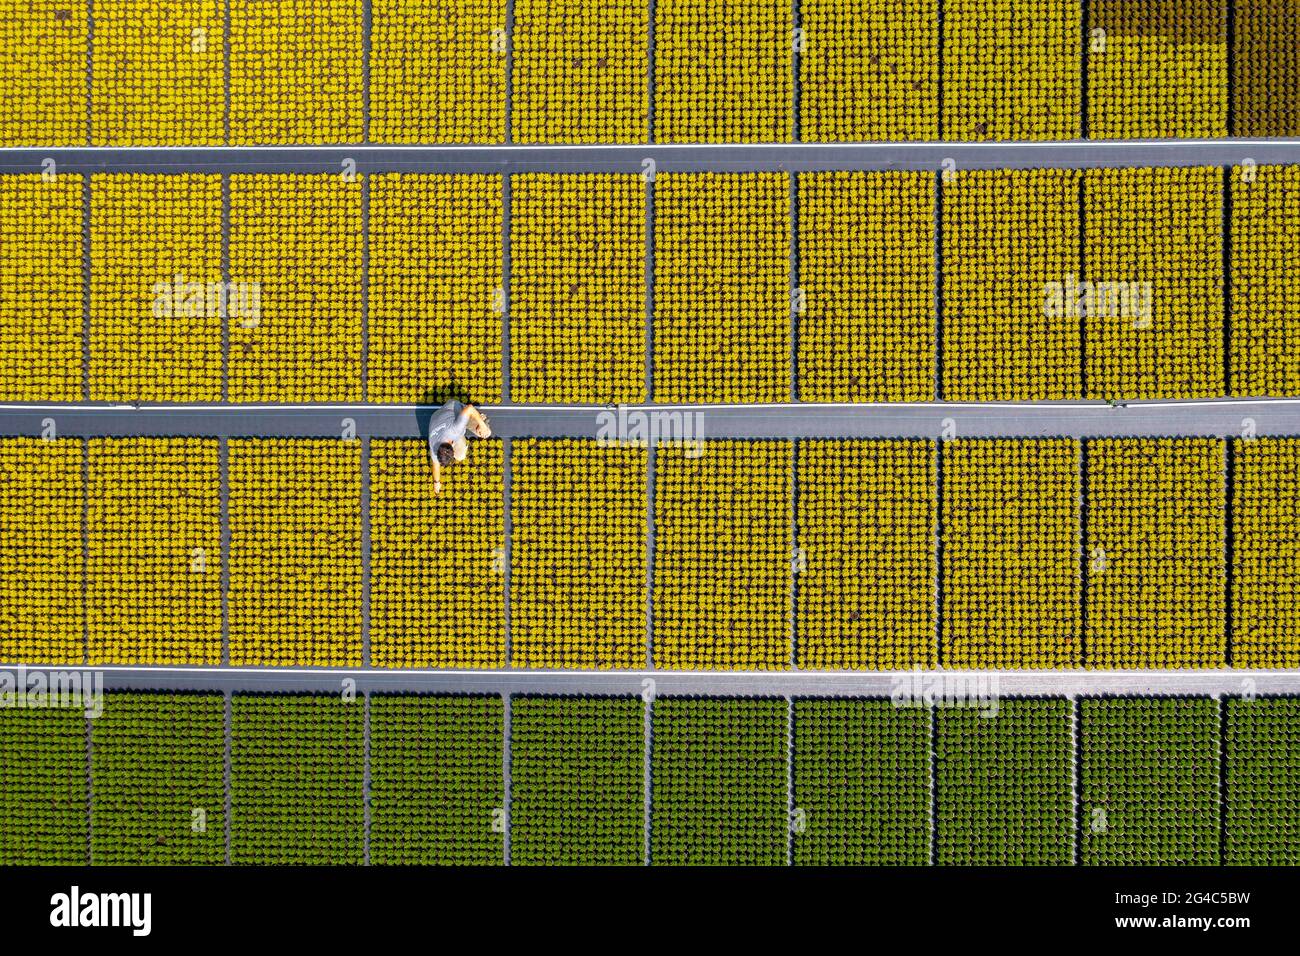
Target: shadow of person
<point>433,399</point>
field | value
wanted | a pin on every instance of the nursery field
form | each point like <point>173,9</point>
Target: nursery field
<point>982,285</point>
<point>1113,781</point>
<point>623,71</point>
<point>880,554</point>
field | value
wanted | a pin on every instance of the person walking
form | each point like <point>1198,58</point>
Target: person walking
<point>447,430</point>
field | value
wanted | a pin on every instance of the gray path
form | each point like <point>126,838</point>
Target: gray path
<point>979,684</point>
<point>724,157</point>
<point>1217,418</point>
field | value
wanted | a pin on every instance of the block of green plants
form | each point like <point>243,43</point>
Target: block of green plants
<point>1003,789</point>
<point>577,780</point>
<point>1263,782</point>
<point>296,779</point>
<point>437,780</point>
<point>1148,781</point>
<point>43,786</point>
<point>718,771</point>
<point>861,783</point>
<point>158,764</point>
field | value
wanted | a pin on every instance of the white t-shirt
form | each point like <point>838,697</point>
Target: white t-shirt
<point>448,424</point>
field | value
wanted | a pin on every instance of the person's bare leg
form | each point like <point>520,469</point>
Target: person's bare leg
<point>478,423</point>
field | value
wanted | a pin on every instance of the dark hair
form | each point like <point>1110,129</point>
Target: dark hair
<point>446,454</point>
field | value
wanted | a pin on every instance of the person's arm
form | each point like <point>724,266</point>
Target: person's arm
<point>437,475</point>
<point>481,427</point>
